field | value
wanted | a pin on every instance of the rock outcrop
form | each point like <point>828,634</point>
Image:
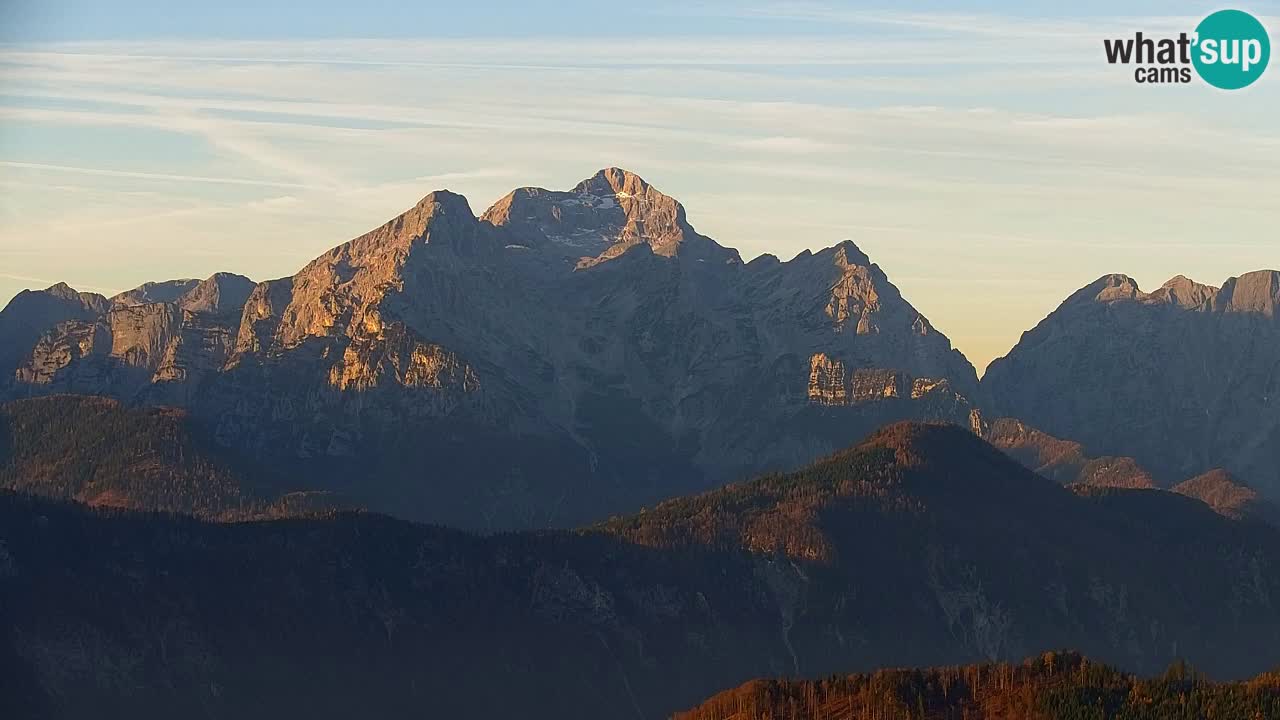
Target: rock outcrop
<point>1227,495</point>
<point>157,342</point>
<point>32,313</point>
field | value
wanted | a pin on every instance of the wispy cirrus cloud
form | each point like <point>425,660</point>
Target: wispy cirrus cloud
<point>134,175</point>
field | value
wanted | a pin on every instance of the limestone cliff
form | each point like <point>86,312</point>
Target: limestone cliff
<point>159,333</point>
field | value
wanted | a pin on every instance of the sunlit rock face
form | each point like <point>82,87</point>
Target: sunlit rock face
<point>32,313</point>
<point>1183,380</point>
<point>613,353</point>
<point>140,343</point>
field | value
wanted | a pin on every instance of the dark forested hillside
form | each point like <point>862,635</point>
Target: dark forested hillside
<point>922,546</point>
<point>117,614</point>
<point>1052,686</point>
<point>100,452</point>
<point>96,451</point>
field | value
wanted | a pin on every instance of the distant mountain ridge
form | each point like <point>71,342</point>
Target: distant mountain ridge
<point>617,357</point>
<point>1184,380</point>
<point>1067,463</point>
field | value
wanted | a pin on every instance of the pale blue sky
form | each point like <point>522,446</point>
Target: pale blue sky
<point>984,154</point>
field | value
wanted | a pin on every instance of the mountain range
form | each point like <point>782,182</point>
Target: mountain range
<point>923,545</point>
<point>1185,379</point>
<point>565,356</point>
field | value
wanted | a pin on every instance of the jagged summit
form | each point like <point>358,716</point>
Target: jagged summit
<point>435,215</point>
<point>445,202</point>
<point>1185,292</point>
<point>846,253</point>
<point>1182,379</point>
<point>613,180</point>
<point>62,290</point>
<point>218,293</point>
<point>1108,288</point>
<point>58,293</point>
<point>33,312</point>
<point>222,292</point>
<point>1182,281</point>
<point>601,218</point>
<point>1255,292</point>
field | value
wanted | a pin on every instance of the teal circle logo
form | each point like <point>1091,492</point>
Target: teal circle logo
<point>1232,49</point>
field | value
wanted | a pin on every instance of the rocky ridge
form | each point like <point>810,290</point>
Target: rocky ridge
<point>1184,380</point>
<point>581,330</point>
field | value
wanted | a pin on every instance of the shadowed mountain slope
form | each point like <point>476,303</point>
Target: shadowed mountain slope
<point>1184,380</point>
<point>921,546</point>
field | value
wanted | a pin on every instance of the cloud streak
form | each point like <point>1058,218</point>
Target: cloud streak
<point>135,175</point>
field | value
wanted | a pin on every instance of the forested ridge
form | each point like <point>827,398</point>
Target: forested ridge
<point>922,546</point>
<point>1051,686</point>
<point>101,452</point>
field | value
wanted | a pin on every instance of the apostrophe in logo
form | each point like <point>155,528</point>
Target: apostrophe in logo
<point>1229,50</point>
<point>1232,49</point>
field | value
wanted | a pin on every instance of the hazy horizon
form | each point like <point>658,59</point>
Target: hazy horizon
<point>143,145</point>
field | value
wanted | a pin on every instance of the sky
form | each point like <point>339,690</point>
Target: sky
<point>985,155</point>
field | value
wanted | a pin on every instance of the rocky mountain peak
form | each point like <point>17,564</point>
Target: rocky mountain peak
<point>444,202</point>
<point>1253,292</point>
<point>1184,292</point>
<point>33,312</point>
<point>62,291</point>
<point>440,216</point>
<point>220,293</point>
<point>844,255</point>
<point>59,295</point>
<point>1257,291</point>
<point>1108,288</point>
<point>614,181</point>
<point>1181,282</point>
<point>601,218</point>
<point>847,254</point>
